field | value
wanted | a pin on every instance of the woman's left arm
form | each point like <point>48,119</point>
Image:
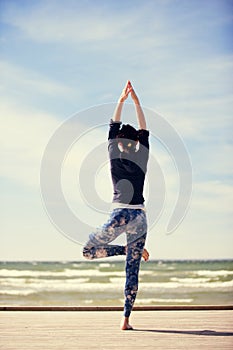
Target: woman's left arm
<point>124,95</point>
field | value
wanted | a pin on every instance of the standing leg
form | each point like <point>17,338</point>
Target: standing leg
<point>133,259</point>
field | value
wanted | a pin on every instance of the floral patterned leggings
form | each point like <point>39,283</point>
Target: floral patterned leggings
<point>134,223</point>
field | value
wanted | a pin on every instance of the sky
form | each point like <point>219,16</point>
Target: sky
<point>64,60</point>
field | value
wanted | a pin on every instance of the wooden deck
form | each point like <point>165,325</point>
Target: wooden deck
<point>177,329</point>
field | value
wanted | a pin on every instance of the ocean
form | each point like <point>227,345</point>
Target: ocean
<point>91,283</point>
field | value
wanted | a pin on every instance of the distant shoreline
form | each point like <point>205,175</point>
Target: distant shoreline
<point>116,260</point>
<point>118,308</point>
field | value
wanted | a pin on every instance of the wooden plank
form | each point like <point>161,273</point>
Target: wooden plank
<point>117,308</point>
<point>100,330</point>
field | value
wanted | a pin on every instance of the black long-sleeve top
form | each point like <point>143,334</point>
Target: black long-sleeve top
<point>128,170</point>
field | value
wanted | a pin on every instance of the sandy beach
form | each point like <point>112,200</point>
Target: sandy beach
<point>189,329</point>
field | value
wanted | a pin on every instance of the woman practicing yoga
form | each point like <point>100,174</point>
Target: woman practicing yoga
<point>128,153</point>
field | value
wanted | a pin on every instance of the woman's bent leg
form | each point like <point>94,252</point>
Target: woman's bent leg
<point>97,245</point>
<point>103,251</point>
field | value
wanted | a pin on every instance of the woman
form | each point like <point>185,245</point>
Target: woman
<point>128,169</point>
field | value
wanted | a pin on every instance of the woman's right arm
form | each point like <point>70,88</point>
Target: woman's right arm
<point>140,115</point>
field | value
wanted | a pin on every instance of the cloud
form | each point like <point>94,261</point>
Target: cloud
<point>141,25</point>
<point>26,87</point>
<point>17,79</point>
<point>74,23</point>
<point>213,198</point>
<point>172,64</point>
<point>213,161</point>
<point>24,135</point>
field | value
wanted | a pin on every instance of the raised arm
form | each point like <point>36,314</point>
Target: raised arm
<point>124,95</point>
<point>140,115</point>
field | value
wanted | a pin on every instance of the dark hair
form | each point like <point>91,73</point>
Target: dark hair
<point>128,132</point>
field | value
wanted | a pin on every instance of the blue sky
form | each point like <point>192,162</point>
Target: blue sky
<point>59,58</point>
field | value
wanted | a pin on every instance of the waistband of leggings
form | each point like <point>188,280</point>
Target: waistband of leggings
<point>127,206</point>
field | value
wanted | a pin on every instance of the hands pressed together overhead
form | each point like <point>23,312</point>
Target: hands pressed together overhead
<point>128,89</point>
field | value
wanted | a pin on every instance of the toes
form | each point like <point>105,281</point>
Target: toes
<point>145,255</point>
<point>127,328</point>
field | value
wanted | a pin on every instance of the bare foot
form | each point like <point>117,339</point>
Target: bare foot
<point>145,254</point>
<point>125,326</point>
